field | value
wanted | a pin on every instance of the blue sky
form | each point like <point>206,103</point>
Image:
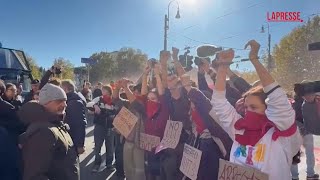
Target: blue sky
<point>73,29</point>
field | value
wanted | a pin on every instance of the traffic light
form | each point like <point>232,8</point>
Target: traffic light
<point>188,67</point>
<point>182,60</point>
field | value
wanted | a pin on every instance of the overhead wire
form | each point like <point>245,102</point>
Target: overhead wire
<point>224,47</point>
<point>232,36</point>
<point>219,17</point>
<point>240,34</point>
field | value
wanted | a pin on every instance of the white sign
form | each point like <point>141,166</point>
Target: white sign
<point>148,142</point>
<point>190,162</point>
<point>171,136</point>
<point>125,121</point>
<point>229,170</point>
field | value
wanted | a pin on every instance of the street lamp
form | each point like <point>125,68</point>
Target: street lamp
<point>269,46</point>
<point>166,23</point>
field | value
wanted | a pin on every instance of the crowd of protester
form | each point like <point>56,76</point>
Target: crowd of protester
<point>43,134</point>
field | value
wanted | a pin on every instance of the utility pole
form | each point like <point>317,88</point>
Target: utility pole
<point>269,62</point>
<point>166,23</point>
<point>269,51</point>
<point>166,27</point>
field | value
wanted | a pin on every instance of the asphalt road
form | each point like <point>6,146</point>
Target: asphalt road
<point>87,160</point>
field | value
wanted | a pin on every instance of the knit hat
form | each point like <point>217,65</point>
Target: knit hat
<point>51,92</point>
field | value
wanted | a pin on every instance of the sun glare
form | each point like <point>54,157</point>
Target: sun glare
<point>189,2</point>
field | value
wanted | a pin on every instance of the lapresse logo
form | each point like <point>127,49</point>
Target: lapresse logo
<point>284,17</point>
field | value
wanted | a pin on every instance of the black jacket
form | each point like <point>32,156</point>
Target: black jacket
<point>76,118</point>
<point>16,103</point>
<point>107,114</point>
<point>10,157</point>
<point>9,120</point>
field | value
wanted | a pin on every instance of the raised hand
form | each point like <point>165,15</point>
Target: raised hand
<point>56,69</point>
<point>164,56</point>
<point>225,56</point>
<point>124,82</point>
<point>147,70</point>
<point>255,46</point>
<point>175,52</point>
<point>205,65</point>
<point>156,69</point>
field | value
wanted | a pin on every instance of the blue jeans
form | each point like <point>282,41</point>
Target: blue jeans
<point>309,151</point>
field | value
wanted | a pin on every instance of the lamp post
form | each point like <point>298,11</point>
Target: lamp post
<point>269,47</point>
<point>166,22</point>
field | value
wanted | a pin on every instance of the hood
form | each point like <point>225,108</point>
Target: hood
<point>32,111</point>
<point>71,96</point>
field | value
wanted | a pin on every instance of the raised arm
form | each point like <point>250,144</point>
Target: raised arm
<point>130,95</point>
<point>279,110</point>
<point>45,78</point>
<point>144,88</point>
<point>158,79</point>
<point>222,109</point>
<point>179,68</point>
<point>265,77</point>
<point>164,57</point>
<point>116,100</point>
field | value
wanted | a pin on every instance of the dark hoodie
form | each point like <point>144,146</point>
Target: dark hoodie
<point>47,148</point>
<point>76,118</point>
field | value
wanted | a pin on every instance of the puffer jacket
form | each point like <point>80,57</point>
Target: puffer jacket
<point>47,148</point>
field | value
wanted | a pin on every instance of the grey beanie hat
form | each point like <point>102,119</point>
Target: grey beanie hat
<point>51,92</point>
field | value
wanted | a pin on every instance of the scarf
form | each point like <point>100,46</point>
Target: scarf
<point>255,126</point>
<point>152,108</point>
<point>107,99</point>
<point>200,127</point>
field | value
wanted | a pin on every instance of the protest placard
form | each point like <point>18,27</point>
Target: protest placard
<point>125,121</point>
<point>171,136</point>
<point>148,142</point>
<point>190,162</point>
<point>229,170</point>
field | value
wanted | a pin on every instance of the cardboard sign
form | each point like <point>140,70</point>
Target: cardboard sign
<point>190,162</point>
<point>148,142</point>
<point>229,170</point>
<point>171,136</point>
<point>125,121</point>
